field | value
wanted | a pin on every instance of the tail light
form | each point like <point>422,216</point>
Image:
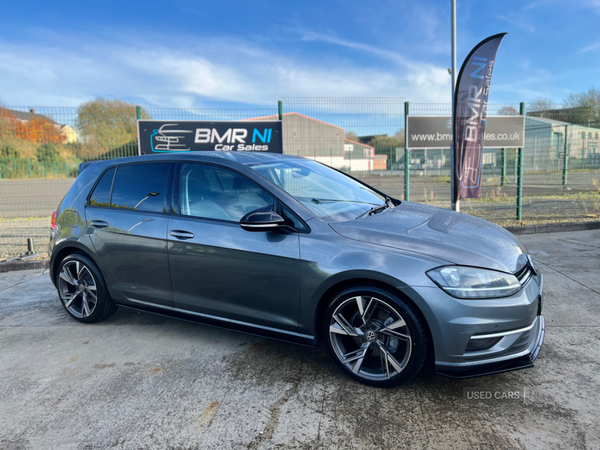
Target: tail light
<point>53,222</point>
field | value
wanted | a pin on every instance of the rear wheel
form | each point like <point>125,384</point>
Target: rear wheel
<point>375,336</point>
<point>82,290</point>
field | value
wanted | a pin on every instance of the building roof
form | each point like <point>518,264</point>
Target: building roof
<point>530,119</point>
<point>358,143</point>
<point>274,117</point>
<point>545,122</point>
<point>24,115</point>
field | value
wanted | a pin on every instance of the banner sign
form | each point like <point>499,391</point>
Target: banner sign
<point>470,115</point>
<point>427,132</point>
<point>165,136</point>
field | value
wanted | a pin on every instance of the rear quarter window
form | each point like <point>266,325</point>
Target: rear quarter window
<point>101,194</point>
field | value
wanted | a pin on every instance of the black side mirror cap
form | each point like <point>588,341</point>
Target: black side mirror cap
<point>262,219</point>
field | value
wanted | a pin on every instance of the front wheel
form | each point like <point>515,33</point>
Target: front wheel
<point>375,336</point>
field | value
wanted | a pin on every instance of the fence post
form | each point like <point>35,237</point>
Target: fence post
<point>504,166</point>
<point>280,109</point>
<point>138,112</point>
<point>406,155</point>
<point>520,172</point>
<point>566,157</point>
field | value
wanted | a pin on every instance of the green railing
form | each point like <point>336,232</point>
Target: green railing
<point>555,177</point>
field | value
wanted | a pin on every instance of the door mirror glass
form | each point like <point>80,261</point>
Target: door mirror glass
<point>262,219</point>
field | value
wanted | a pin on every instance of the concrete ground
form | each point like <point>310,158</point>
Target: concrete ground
<point>140,381</point>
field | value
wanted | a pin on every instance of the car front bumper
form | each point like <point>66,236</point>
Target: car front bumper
<point>521,360</point>
<point>511,330</point>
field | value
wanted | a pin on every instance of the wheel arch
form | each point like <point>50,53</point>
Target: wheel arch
<point>62,251</point>
<point>391,285</point>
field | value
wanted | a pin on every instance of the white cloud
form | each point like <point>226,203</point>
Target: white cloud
<point>66,75</point>
<point>593,4</point>
<point>590,48</point>
<point>393,57</point>
<point>514,19</point>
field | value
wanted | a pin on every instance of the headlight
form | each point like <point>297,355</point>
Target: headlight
<point>470,282</point>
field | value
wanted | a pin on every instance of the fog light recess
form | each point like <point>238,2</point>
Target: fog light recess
<point>482,344</point>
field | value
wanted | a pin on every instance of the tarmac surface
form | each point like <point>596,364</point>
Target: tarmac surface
<point>139,381</point>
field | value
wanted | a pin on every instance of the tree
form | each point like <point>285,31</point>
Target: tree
<point>540,104</point>
<point>387,145</point>
<point>352,136</point>
<point>108,123</point>
<point>508,110</point>
<point>382,143</point>
<point>5,122</point>
<point>48,153</point>
<point>588,103</point>
<point>38,129</point>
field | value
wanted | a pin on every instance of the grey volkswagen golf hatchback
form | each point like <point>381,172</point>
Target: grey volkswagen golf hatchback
<point>289,248</point>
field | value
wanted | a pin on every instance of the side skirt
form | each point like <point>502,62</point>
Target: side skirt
<point>223,323</point>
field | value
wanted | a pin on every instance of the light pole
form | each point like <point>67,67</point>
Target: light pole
<point>455,203</point>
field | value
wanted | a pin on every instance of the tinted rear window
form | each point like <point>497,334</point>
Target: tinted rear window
<point>141,187</point>
<point>101,195</point>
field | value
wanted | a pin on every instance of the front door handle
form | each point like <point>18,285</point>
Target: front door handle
<point>99,223</point>
<point>180,234</point>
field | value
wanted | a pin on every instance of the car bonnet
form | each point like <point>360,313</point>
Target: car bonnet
<point>454,237</point>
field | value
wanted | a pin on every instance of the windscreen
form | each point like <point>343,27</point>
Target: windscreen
<point>329,194</point>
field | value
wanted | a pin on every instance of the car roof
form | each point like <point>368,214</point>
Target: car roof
<point>239,157</point>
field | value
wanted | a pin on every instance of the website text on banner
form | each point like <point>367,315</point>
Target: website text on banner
<point>434,132</point>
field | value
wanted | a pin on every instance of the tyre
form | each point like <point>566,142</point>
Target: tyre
<point>375,336</point>
<point>82,290</point>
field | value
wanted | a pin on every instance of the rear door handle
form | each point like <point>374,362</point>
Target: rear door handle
<point>180,234</point>
<point>99,223</point>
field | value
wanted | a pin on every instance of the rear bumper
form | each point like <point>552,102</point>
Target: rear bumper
<point>514,362</point>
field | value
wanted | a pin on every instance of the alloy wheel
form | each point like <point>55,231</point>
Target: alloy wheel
<point>370,338</point>
<point>77,289</point>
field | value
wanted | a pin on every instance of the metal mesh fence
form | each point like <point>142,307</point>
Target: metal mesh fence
<point>430,171</point>
<point>365,137</point>
<point>361,136</point>
<point>562,164</point>
<point>41,149</point>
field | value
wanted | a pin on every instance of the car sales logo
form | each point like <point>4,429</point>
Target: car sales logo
<point>184,136</point>
<point>234,136</point>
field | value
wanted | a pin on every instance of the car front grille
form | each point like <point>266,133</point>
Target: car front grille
<point>524,275</point>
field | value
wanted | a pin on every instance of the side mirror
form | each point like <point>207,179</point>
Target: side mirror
<point>262,219</point>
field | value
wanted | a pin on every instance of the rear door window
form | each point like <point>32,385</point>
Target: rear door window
<point>141,187</point>
<point>101,194</point>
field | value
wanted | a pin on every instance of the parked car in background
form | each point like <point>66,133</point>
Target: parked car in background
<point>286,247</point>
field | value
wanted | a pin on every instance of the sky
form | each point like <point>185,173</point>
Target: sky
<point>243,54</point>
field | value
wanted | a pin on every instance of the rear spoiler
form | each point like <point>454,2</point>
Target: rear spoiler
<point>83,165</point>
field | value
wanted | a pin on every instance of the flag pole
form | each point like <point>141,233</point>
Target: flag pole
<point>455,202</point>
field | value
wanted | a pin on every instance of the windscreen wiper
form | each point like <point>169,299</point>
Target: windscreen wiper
<point>375,209</point>
<point>317,201</point>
